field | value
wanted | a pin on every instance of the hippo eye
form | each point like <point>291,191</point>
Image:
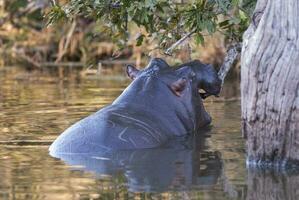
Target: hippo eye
<point>192,74</point>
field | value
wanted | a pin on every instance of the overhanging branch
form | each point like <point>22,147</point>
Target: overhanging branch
<point>232,54</point>
<point>179,42</point>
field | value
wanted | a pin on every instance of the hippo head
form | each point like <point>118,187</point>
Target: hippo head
<point>206,77</point>
<point>201,75</point>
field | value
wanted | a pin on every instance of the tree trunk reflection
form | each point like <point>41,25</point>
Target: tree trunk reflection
<point>271,185</point>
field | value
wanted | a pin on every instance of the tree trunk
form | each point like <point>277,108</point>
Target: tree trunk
<point>270,84</point>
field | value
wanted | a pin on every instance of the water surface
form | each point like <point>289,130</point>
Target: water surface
<point>36,108</point>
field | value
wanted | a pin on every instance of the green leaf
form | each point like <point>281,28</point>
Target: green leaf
<point>55,14</point>
<point>199,38</point>
<point>139,39</point>
<point>243,15</point>
<point>224,23</point>
<point>211,27</point>
<point>235,20</point>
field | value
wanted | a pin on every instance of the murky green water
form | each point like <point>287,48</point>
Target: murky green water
<point>35,109</point>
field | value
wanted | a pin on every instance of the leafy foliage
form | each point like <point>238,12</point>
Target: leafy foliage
<point>162,20</point>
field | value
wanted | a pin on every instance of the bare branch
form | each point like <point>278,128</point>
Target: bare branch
<point>54,2</point>
<point>232,54</point>
<point>179,42</point>
<point>20,53</point>
<point>68,38</point>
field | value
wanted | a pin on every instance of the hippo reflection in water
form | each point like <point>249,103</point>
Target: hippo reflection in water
<point>183,164</point>
<point>161,103</point>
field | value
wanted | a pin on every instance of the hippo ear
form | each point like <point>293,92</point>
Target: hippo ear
<point>132,72</point>
<point>178,86</point>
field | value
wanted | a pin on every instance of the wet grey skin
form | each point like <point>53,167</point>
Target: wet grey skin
<point>161,103</point>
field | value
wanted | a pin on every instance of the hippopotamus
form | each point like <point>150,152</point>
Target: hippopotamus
<point>161,103</point>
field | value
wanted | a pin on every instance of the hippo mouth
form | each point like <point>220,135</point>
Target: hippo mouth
<point>205,95</point>
<point>211,90</point>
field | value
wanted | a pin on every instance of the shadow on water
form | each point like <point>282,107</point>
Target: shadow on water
<point>180,165</point>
